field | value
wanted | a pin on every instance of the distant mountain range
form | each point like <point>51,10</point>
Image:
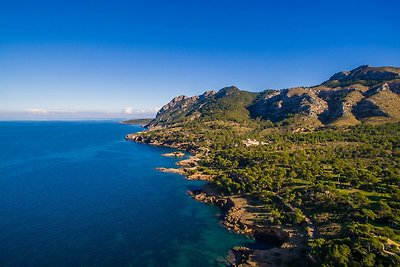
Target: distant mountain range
<point>365,94</point>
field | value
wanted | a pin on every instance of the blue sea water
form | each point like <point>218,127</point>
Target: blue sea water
<point>78,194</point>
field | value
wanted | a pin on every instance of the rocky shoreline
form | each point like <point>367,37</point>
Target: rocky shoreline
<point>171,170</point>
<point>176,154</point>
<point>235,214</point>
<point>278,243</point>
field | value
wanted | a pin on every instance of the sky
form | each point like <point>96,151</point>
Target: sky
<point>126,59</point>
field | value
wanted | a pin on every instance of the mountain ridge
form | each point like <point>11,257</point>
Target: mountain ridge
<point>295,175</point>
<point>363,95</point>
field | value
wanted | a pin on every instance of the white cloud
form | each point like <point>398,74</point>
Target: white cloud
<point>41,113</point>
<point>37,111</point>
<point>128,110</point>
<point>131,111</point>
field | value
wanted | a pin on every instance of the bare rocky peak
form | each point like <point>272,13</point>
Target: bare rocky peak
<point>344,99</point>
<point>276,105</point>
<point>173,102</point>
<point>367,72</point>
<point>179,98</point>
<point>226,91</point>
<point>208,93</point>
<point>177,108</point>
<point>179,101</point>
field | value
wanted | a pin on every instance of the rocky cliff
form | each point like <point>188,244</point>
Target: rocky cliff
<point>365,94</point>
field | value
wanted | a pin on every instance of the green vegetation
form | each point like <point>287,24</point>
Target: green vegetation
<point>137,121</point>
<point>284,151</point>
<point>349,82</point>
<point>345,180</point>
<point>228,104</point>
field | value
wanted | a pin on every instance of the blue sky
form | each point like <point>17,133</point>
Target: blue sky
<point>111,59</point>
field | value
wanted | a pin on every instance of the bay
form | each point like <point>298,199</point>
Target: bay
<point>78,194</point>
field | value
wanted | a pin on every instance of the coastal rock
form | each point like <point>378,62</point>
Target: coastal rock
<point>239,257</point>
<point>141,137</point>
<point>233,215</point>
<point>234,218</point>
<point>199,195</point>
<point>221,202</point>
<point>176,154</point>
<point>191,162</point>
<point>171,170</point>
<point>270,235</point>
<point>199,176</point>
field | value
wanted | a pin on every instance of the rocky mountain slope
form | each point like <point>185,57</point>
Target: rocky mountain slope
<point>365,94</point>
<point>229,103</point>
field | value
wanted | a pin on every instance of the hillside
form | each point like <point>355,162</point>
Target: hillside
<point>229,103</point>
<point>137,121</point>
<point>321,196</point>
<point>365,94</point>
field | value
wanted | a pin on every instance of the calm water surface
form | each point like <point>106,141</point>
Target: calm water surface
<point>78,194</point>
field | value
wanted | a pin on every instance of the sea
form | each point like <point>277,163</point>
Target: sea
<point>77,193</point>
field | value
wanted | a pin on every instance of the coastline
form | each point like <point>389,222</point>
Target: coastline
<point>237,213</point>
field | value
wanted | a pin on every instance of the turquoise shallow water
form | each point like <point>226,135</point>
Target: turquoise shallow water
<point>78,194</point>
